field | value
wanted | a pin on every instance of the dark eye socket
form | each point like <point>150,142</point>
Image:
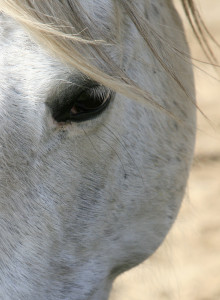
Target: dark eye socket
<point>89,103</point>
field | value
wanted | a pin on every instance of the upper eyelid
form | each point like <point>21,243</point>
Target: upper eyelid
<point>99,91</point>
<point>65,91</point>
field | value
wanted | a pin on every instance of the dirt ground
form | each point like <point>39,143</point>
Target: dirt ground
<point>187,265</point>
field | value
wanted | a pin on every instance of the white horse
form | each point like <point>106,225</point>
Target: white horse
<point>97,134</point>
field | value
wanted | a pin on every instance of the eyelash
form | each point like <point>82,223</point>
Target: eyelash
<point>87,105</point>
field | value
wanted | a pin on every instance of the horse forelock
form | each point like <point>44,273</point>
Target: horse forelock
<point>66,29</point>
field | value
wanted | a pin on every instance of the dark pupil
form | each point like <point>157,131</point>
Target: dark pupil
<point>87,102</point>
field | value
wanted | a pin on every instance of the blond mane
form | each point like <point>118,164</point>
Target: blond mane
<point>64,29</point>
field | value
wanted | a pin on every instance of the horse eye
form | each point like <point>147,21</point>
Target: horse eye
<point>87,105</point>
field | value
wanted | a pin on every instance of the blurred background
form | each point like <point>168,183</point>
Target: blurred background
<point>187,265</point>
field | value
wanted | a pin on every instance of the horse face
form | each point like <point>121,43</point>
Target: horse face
<point>82,202</point>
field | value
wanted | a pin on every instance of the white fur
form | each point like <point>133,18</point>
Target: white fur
<point>81,203</point>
